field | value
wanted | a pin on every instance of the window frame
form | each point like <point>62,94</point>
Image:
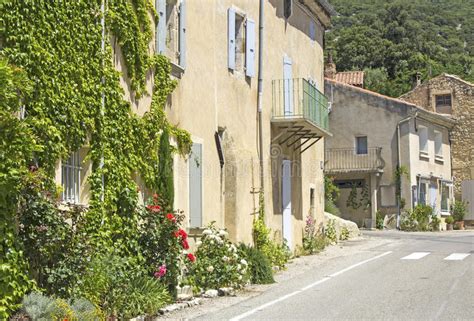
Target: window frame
<point>357,145</point>
<point>447,186</point>
<point>438,144</point>
<point>423,148</point>
<point>71,171</point>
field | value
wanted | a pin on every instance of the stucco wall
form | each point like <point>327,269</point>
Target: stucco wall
<point>210,97</point>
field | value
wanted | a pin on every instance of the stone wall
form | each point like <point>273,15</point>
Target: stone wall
<point>462,135</point>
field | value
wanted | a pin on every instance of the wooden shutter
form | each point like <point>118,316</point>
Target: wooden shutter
<point>231,38</point>
<point>182,34</point>
<point>250,48</point>
<point>287,85</point>
<point>161,26</point>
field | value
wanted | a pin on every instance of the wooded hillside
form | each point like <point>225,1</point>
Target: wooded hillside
<point>392,40</point>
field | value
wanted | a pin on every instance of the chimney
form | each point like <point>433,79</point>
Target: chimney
<point>417,81</point>
<point>330,67</point>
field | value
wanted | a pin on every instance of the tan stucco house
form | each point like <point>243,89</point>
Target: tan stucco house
<point>217,102</point>
<point>373,135</point>
<point>453,97</point>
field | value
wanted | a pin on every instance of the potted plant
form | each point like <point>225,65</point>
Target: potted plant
<point>458,210</point>
<point>449,223</point>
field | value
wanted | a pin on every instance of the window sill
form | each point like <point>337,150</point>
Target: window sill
<point>439,159</point>
<point>176,70</point>
<point>424,156</point>
<point>196,231</point>
<point>68,207</point>
<point>445,213</point>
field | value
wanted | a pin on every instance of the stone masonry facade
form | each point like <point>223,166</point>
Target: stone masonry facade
<point>462,110</point>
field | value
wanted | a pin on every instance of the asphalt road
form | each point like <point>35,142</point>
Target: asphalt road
<point>413,276</point>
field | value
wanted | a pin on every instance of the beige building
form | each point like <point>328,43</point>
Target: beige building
<point>372,135</point>
<point>453,97</point>
<point>216,101</point>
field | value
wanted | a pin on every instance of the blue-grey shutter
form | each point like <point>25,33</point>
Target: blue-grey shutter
<point>231,40</point>
<point>195,186</point>
<point>312,30</point>
<point>250,48</point>
<point>161,27</point>
<point>182,34</point>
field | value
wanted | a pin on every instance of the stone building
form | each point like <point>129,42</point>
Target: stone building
<point>453,97</point>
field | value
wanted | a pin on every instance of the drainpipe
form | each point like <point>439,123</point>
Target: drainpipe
<point>260,92</point>
<point>399,160</point>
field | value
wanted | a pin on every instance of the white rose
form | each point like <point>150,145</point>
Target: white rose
<point>212,242</point>
<point>225,259</point>
<point>223,233</point>
<point>198,243</point>
<point>207,232</point>
<point>243,262</point>
<point>210,268</point>
<point>240,277</point>
<point>233,248</point>
<point>239,267</point>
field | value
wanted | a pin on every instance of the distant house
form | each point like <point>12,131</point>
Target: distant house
<point>451,96</point>
<point>374,134</point>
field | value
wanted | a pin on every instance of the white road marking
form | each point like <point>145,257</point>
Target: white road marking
<point>266,305</point>
<point>415,256</point>
<point>457,256</point>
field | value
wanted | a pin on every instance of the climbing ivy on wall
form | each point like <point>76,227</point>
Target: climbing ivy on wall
<point>76,98</point>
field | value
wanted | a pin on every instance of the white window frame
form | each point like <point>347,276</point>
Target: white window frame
<point>71,178</point>
<point>438,145</point>
<point>357,144</point>
<point>423,182</point>
<point>445,211</point>
<point>423,145</point>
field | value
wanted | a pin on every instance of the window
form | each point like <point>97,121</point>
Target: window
<point>438,144</point>
<point>361,145</point>
<point>423,139</point>
<point>287,8</point>
<point>241,43</point>
<point>422,193</point>
<point>445,196</point>
<point>71,178</point>
<point>443,103</point>
<point>171,29</point>
<point>311,197</point>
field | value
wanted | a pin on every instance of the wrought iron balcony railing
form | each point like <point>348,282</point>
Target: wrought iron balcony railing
<point>343,160</point>
<point>298,99</point>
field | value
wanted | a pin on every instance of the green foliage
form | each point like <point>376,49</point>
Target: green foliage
<point>331,194</point>
<point>330,232</point>
<point>121,287</point>
<point>417,219</point>
<point>352,200</point>
<point>42,308</point>
<point>165,169</point>
<point>458,210</point>
<point>393,40</point>
<point>449,220</point>
<point>434,223</point>
<point>17,145</point>
<point>259,267</point>
<point>218,262</point>
<point>379,218</point>
<point>344,234</point>
<point>72,96</point>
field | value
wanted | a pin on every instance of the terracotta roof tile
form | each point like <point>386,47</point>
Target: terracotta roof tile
<point>355,78</point>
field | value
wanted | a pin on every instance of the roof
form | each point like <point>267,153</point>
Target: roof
<point>445,121</point>
<point>355,78</point>
<point>328,7</point>
<point>439,76</point>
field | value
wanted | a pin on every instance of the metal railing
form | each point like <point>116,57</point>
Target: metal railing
<point>298,98</point>
<point>347,159</point>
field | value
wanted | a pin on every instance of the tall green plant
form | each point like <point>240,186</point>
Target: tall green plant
<point>165,169</point>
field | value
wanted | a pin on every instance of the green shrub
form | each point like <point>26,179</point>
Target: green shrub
<point>458,210</point>
<point>344,234</point>
<point>121,287</point>
<point>330,207</point>
<point>379,218</point>
<point>330,232</point>
<point>417,219</point>
<point>312,241</point>
<point>449,220</point>
<point>278,254</point>
<point>43,308</point>
<point>434,224</point>
<point>259,267</point>
<point>218,262</point>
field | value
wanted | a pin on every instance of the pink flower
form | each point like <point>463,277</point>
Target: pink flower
<point>161,272</point>
<point>191,257</point>
<point>153,208</point>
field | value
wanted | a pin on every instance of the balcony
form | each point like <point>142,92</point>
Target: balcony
<point>300,109</point>
<point>346,160</point>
